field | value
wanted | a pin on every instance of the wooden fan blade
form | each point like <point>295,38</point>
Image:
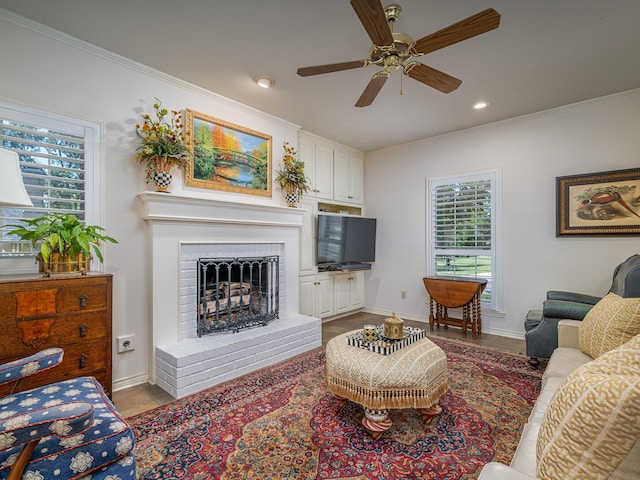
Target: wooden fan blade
<point>477,24</point>
<point>333,67</point>
<point>374,21</point>
<point>373,88</point>
<point>432,77</point>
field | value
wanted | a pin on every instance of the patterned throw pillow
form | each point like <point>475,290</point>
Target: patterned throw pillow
<point>611,322</point>
<point>591,429</point>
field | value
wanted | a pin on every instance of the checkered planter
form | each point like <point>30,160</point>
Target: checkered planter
<point>162,181</point>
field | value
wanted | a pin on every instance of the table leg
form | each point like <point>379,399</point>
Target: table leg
<point>428,414</point>
<point>431,313</point>
<point>376,422</point>
<point>478,310</point>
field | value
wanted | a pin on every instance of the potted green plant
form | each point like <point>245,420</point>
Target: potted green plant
<point>291,177</point>
<point>66,243</point>
<point>163,145</point>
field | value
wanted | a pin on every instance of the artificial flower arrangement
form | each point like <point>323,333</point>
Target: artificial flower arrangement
<point>164,143</point>
<point>291,177</point>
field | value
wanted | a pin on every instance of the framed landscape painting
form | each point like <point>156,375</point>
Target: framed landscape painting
<point>226,156</point>
<point>604,203</point>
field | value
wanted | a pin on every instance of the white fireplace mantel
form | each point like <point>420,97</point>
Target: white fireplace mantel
<point>178,220</point>
<point>170,208</point>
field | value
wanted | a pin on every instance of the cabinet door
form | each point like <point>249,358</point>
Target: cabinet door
<point>307,289</point>
<point>308,156</point>
<point>341,176</point>
<point>356,179</point>
<point>308,238</point>
<point>324,172</point>
<point>356,290</point>
<point>348,176</point>
<point>324,299</point>
<point>341,292</point>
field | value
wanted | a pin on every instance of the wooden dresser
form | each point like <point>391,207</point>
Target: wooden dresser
<point>72,312</point>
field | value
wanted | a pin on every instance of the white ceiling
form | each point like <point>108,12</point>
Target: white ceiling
<point>546,53</point>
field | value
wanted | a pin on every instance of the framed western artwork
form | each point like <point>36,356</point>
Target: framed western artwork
<point>226,156</point>
<point>604,203</point>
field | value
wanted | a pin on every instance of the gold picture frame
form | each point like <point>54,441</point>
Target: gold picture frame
<point>603,203</point>
<point>227,157</point>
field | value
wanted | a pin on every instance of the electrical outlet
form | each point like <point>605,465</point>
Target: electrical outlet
<point>125,343</point>
<point>403,295</point>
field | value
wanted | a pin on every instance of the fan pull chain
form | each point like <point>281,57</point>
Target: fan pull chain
<point>401,84</point>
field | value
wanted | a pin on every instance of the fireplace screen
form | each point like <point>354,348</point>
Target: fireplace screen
<point>235,293</point>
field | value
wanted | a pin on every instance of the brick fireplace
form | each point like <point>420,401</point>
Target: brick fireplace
<point>183,229</point>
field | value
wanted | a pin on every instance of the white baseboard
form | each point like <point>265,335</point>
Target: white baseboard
<point>129,382</point>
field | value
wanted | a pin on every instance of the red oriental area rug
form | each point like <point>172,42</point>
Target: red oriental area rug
<point>281,423</point>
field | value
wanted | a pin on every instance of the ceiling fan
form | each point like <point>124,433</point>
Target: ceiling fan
<point>392,51</point>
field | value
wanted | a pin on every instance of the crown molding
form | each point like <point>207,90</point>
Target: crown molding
<point>120,60</point>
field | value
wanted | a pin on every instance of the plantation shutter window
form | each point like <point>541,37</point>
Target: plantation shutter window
<point>55,161</point>
<point>462,229</point>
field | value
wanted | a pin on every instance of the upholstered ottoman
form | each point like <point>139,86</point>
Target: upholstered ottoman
<point>414,376</point>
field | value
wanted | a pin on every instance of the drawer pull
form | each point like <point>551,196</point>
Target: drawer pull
<point>83,329</point>
<point>83,360</point>
<point>83,300</point>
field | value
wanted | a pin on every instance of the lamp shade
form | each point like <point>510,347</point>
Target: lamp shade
<point>12,191</point>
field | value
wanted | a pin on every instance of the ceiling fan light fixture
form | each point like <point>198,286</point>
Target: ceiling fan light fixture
<point>392,50</point>
<point>264,82</point>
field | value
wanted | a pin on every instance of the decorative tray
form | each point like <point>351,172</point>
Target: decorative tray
<point>383,345</point>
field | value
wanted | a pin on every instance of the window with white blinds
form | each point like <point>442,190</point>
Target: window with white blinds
<point>56,156</point>
<point>462,229</point>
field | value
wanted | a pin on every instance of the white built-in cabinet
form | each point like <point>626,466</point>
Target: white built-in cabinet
<point>318,167</point>
<point>316,295</point>
<point>348,291</point>
<point>336,175</point>
<point>308,237</point>
<point>348,177</point>
<point>335,172</point>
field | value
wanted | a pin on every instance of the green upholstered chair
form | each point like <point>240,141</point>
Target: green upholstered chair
<point>541,326</point>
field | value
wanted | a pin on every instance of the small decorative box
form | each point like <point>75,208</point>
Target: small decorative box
<point>383,345</point>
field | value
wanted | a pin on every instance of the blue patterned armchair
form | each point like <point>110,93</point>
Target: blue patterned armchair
<point>66,430</point>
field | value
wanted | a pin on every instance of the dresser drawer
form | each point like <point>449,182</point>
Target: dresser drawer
<point>89,359</point>
<point>32,335</point>
<point>88,298</point>
<point>49,301</point>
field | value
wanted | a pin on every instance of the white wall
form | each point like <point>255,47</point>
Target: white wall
<point>531,151</point>
<point>49,71</point>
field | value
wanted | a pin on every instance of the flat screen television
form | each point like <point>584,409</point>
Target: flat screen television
<point>345,240</point>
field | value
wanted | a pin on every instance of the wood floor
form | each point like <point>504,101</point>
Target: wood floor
<point>145,397</point>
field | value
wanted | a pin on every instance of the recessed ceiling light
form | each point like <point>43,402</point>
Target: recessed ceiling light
<point>481,105</point>
<point>264,82</point>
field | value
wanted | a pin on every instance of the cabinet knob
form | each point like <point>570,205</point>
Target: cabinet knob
<point>82,360</point>
<point>83,300</point>
<point>83,329</point>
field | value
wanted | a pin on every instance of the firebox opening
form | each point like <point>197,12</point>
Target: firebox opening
<point>236,293</point>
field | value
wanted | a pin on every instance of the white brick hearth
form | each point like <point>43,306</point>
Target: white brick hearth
<point>191,365</point>
<point>183,229</point>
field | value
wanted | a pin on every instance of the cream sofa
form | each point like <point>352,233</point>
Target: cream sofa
<point>564,360</point>
<point>585,423</point>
